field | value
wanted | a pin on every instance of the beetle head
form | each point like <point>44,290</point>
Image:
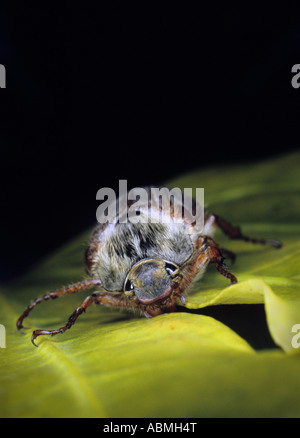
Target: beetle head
<point>151,280</point>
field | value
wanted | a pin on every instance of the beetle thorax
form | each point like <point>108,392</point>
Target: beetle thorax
<point>116,248</point>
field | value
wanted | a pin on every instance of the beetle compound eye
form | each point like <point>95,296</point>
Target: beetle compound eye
<point>171,269</point>
<point>128,286</point>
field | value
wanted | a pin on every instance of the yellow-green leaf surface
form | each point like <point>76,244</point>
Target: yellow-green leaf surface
<point>265,199</point>
<point>112,364</point>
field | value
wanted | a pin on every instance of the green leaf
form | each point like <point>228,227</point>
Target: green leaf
<point>112,364</point>
<point>265,202</point>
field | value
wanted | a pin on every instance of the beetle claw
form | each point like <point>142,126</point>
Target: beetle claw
<point>33,337</point>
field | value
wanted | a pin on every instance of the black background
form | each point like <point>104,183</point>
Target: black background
<point>98,93</point>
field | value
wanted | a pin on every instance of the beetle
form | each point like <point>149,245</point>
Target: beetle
<point>147,267</point>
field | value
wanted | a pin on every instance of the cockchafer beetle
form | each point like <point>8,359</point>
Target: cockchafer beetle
<point>147,267</point>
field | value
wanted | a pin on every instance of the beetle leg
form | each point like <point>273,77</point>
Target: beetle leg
<point>56,294</point>
<point>86,303</point>
<point>215,256</point>
<point>235,232</point>
<point>231,255</point>
<point>103,298</point>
